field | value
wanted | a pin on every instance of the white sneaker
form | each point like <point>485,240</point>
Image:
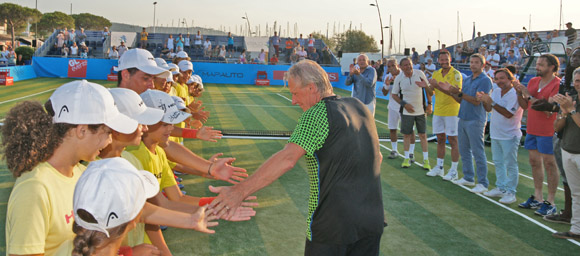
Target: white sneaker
<point>508,198</point>
<point>463,182</point>
<point>496,192</point>
<point>478,189</point>
<point>437,171</point>
<point>451,175</point>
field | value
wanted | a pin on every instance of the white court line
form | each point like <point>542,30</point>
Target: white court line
<point>248,92</point>
<point>270,138</point>
<point>521,174</point>
<point>503,206</point>
<point>23,97</point>
<point>284,97</point>
<point>245,105</point>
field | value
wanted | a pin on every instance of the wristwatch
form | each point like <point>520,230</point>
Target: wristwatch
<point>572,112</point>
<point>460,95</point>
<point>493,103</point>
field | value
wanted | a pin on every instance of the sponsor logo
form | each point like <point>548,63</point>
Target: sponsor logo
<point>77,68</point>
<point>112,216</point>
<point>69,217</point>
<point>221,74</point>
<point>64,108</point>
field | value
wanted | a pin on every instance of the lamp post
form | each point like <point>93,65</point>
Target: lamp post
<point>36,28</point>
<point>154,7</point>
<point>381,23</point>
<point>249,27</point>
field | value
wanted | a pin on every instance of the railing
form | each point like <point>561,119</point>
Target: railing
<point>48,43</point>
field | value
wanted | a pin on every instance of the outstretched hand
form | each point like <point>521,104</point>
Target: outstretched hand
<point>222,169</point>
<point>244,212</point>
<point>226,203</point>
<point>207,133</point>
<point>202,219</point>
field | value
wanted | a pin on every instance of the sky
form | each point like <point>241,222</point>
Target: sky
<point>423,22</point>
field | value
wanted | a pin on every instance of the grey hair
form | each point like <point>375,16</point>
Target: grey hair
<point>365,56</point>
<point>576,72</point>
<point>392,59</point>
<point>307,71</point>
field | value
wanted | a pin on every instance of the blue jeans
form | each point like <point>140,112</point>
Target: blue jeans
<point>470,138</point>
<point>505,158</point>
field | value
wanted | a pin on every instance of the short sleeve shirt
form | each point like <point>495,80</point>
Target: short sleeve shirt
<point>501,127</point>
<point>468,111</point>
<point>412,93</point>
<point>156,163</point>
<point>40,216</point>
<point>343,160</point>
<point>539,123</point>
<point>445,105</point>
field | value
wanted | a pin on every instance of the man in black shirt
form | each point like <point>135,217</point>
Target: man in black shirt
<point>339,139</point>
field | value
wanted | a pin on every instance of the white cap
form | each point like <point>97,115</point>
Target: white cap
<point>182,54</point>
<point>142,60</point>
<point>113,191</point>
<point>82,102</point>
<point>179,102</point>
<point>185,65</point>
<point>129,103</point>
<point>161,100</point>
<point>163,64</point>
<point>191,80</point>
<point>199,80</point>
<point>173,68</point>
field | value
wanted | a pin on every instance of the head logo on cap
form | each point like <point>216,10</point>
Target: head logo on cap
<point>64,108</point>
<point>112,216</point>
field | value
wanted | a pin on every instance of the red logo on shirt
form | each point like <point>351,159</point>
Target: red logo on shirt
<point>77,68</point>
<point>69,217</point>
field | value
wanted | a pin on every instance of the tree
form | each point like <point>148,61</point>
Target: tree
<point>55,20</point>
<point>328,41</point>
<point>355,41</point>
<point>17,16</point>
<point>90,22</point>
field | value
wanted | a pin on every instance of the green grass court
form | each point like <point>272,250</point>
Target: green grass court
<point>426,216</point>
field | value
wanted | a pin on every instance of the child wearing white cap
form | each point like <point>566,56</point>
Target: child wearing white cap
<point>44,154</point>
<point>109,200</point>
<point>165,84</point>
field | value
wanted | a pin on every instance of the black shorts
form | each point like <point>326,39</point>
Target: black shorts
<point>368,246</point>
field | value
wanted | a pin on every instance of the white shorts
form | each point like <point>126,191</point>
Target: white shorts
<point>371,106</point>
<point>445,124</point>
<point>394,118</point>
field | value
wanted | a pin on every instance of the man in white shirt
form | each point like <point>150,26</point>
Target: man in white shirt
<point>393,108</point>
<point>429,68</point>
<point>493,58</point>
<point>408,91</point>
<point>506,120</point>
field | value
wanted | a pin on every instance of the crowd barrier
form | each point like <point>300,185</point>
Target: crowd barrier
<point>73,67</point>
<point>20,73</point>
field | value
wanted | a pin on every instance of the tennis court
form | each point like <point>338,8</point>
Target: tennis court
<point>426,216</point>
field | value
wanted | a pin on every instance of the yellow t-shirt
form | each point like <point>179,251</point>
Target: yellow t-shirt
<point>182,92</point>
<point>137,235</point>
<point>445,105</point>
<point>40,210</point>
<point>156,163</point>
<point>144,36</point>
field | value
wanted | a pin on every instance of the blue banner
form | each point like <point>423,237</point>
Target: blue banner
<point>221,73</point>
<point>73,67</point>
<point>21,72</point>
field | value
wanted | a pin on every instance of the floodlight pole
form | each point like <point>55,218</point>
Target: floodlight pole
<point>381,23</point>
<point>249,27</point>
<point>154,9</point>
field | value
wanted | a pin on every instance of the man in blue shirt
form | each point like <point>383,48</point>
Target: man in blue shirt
<point>364,78</point>
<point>472,118</point>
